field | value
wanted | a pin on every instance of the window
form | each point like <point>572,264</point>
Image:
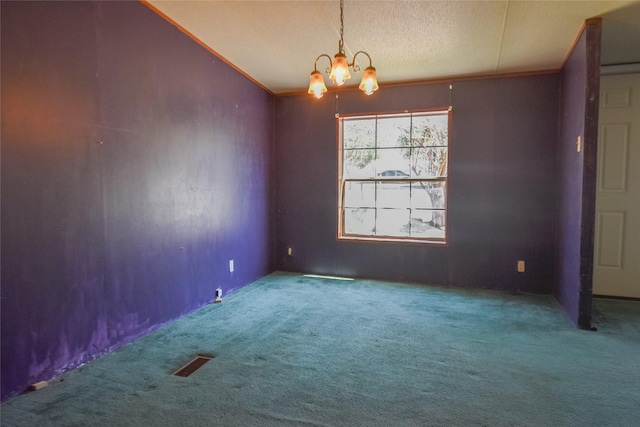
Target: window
<point>393,177</point>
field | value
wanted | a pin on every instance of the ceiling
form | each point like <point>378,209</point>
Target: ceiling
<point>275,43</point>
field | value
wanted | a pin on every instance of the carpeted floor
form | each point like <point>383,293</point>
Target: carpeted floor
<point>298,351</point>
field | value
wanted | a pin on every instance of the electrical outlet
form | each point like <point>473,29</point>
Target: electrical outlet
<point>289,251</point>
<point>520,266</point>
<point>231,266</point>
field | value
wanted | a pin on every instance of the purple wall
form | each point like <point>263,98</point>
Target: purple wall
<point>501,192</point>
<point>580,82</point>
<point>135,165</point>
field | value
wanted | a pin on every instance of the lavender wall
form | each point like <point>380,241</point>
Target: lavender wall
<point>580,82</point>
<point>501,192</point>
<point>135,165</point>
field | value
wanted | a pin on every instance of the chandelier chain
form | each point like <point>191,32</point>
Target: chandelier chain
<point>341,25</point>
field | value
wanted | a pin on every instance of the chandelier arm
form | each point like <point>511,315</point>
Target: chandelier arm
<point>315,65</point>
<point>355,66</point>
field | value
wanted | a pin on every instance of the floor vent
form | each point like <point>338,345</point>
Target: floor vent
<point>192,366</point>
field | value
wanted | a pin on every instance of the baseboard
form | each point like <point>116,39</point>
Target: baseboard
<point>617,298</point>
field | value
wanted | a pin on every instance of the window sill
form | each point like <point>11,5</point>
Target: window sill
<point>378,239</point>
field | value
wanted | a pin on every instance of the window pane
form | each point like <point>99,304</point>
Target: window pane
<point>392,130</point>
<point>359,164</point>
<point>393,222</point>
<point>393,163</point>
<point>428,194</point>
<point>430,130</point>
<point>393,195</point>
<point>429,162</point>
<point>428,223</point>
<point>360,194</point>
<point>359,133</point>
<point>360,221</point>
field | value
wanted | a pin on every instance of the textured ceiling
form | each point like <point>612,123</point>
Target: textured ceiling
<point>276,43</point>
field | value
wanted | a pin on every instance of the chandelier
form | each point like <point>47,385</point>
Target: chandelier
<point>339,71</point>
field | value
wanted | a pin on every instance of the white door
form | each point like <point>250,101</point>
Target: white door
<point>616,270</point>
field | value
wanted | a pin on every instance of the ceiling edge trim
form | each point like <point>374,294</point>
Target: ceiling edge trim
<point>589,21</point>
<point>204,45</point>
<point>438,80</point>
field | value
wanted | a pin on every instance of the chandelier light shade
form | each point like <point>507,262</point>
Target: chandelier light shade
<point>316,84</point>
<point>369,83</point>
<point>339,71</point>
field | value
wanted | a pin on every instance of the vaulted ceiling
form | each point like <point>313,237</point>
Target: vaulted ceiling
<point>275,43</point>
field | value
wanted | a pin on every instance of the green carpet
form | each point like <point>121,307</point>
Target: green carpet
<point>297,351</point>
